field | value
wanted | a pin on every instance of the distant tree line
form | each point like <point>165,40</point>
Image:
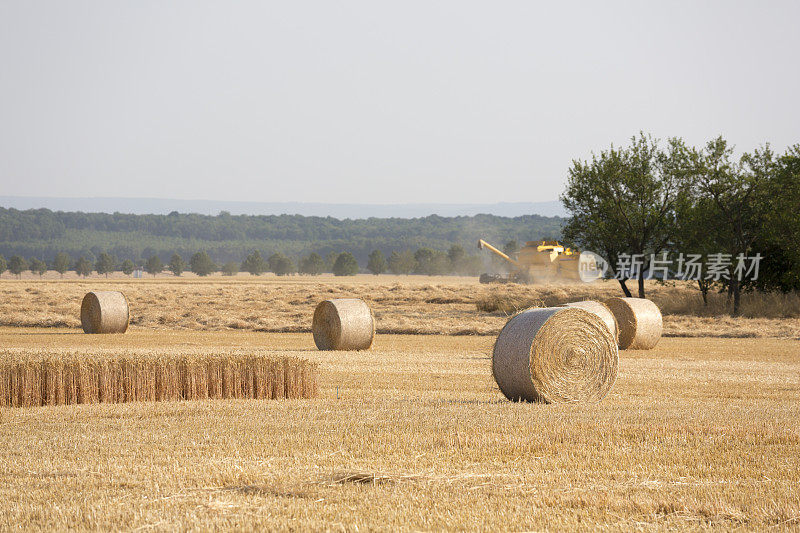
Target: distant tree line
<point>43,233</point>
<point>648,200</point>
<point>421,261</point>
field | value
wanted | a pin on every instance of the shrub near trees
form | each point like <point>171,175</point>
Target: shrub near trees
<point>377,262</point>
<point>127,267</point>
<point>61,263</point>
<point>17,265</point>
<point>82,267</point>
<point>3,265</point>
<point>313,264</point>
<point>104,264</point>
<point>345,265</point>
<point>280,264</point>
<point>37,266</point>
<point>176,265</point>
<point>154,265</point>
<point>254,264</point>
<point>201,264</point>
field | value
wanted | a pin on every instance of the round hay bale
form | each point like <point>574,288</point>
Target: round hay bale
<point>639,320</point>
<point>600,309</point>
<point>104,312</point>
<point>555,354</point>
<point>343,324</point>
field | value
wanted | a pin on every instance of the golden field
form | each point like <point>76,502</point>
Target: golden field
<point>402,304</point>
<point>414,435</point>
<point>698,433</point>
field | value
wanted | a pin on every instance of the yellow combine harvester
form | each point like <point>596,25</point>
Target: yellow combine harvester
<point>537,262</point>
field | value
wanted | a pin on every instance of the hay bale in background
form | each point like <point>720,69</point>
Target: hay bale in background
<point>639,320</point>
<point>343,324</point>
<point>104,312</point>
<point>600,309</point>
<point>555,354</point>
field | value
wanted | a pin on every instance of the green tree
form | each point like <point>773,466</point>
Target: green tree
<point>376,262</point>
<point>154,265</point>
<point>176,264</point>
<point>345,265</point>
<point>431,262</point>
<point>254,264</point>
<point>61,263</point>
<point>231,268</point>
<point>330,259</point>
<point>280,264</point>
<point>3,265</point>
<point>623,202</point>
<point>37,266</point>
<point>83,267</point>
<point>313,264</point>
<point>127,267</point>
<point>201,264</point>
<point>17,265</point>
<point>402,262</point>
<point>104,264</point>
<point>738,199</point>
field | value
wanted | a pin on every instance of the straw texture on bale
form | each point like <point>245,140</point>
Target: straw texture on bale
<point>639,320</point>
<point>600,309</point>
<point>555,354</point>
<point>104,312</point>
<point>343,324</point>
<point>151,379</point>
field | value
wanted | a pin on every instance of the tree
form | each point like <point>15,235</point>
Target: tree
<point>738,199</point>
<point>254,264</point>
<point>3,265</point>
<point>231,268</point>
<point>402,262</point>
<point>104,264</point>
<point>17,265</point>
<point>313,264</point>
<point>280,264</point>
<point>176,264</point>
<point>201,264</point>
<point>431,262</point>
<point>82,267</point>
<point>37,266</point>
<point>376,262</point>
<point>345,265</point>
<point>61,263</point>
<point>330,259</point>
<point>154,265</point>
<point>127,267</point>
<point>623,202</point>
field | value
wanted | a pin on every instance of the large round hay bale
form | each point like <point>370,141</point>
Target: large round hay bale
<point>639,320</point>
<point>600,309</point>
<point>555,354</point>
<point>104,312</point>
<point>343,324</point>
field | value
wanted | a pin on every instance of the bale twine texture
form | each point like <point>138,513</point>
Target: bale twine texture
<point>104,312</point>
<point>343,324</point>
<point>600,309</point>
<point>555,354</point>
<point>81,380</point>
<point>639,320</point>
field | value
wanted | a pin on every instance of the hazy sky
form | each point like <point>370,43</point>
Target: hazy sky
<point>375,102</point>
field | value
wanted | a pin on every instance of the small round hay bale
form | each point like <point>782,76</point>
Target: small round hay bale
<point>601,310</point>
<point>555,354</point>
<point>639,320</point>
<point>343,324</point>
<point>104,312</point>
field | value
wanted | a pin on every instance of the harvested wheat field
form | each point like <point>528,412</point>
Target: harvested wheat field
<point>413,435</point>
<point>401,304</point>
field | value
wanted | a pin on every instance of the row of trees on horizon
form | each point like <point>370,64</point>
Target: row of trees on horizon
<point>422,261</point>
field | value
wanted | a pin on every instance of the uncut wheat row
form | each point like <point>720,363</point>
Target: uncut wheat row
<point>51,381</point>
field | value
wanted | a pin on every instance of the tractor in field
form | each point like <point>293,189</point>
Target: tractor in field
<point>537,262</point>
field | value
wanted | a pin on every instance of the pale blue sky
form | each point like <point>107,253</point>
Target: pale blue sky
<point>374,102</point>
